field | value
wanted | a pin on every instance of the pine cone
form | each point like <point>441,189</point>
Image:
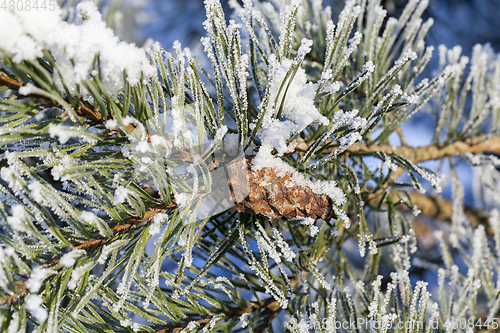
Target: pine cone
<point>265,193</point>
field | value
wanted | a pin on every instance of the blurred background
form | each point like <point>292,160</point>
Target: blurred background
<point>462,22</point>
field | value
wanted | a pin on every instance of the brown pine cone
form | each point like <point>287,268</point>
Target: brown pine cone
<point>263,192</point>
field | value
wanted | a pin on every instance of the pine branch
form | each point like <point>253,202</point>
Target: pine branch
<point>82,110</point>
<point>7,81</point>
<point>437,208</point>
<point>477,144</point>
<point>442,209</point>
<point>114,171</point>
<point>92,243</point>
<point>268,304</point>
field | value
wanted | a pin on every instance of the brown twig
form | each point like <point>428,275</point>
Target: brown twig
<point>441,209</point>
<point>6,80</point>
<point>425,153</point>
<point>433,152</point>
<point>82,110</point>
<point>437,208</point>
<point>12,299</point>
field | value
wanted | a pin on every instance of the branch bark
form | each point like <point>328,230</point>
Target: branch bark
<point>476,145</point>
<point>82,110</point>
<point>442,209</point>
<point>438,208</point>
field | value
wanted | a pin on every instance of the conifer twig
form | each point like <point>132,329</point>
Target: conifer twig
<point>11,299</point>
<point>437,208</point>
<point>82,110</point>
<point>91,243</point>
<point>268,304</point>
<point>441,209</point>
<point>120,228</point>
<point>91,170</point>
<point>477,144</point>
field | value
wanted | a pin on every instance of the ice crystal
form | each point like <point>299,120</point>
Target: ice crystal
<point>34,305</point>
<point>37,277</point>
<point>69,259</point>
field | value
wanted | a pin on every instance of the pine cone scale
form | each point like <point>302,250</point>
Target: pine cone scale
<point>265,193</point>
